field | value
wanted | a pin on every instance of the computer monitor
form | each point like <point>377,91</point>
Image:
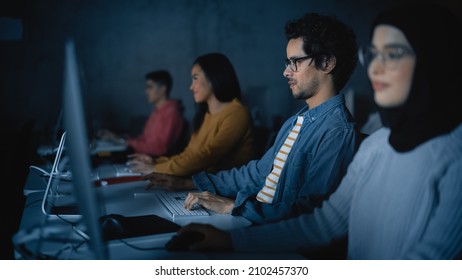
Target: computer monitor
<point>89,203</point>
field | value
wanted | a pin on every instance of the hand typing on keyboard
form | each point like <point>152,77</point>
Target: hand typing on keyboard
<point>174,202</point>
<point>216,203</point>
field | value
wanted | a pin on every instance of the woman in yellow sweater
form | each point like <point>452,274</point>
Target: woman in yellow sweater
<point>222,136</point>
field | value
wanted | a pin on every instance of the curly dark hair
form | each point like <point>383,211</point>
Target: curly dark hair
<point>325,37</point>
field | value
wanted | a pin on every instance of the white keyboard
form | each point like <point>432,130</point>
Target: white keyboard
<point>124,170</point>
<point>115,170</point>
<point>106,146</point>
<point>174,202</point>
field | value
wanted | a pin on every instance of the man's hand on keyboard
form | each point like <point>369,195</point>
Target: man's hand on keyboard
<point>218,204</point>
<point>170,182</point>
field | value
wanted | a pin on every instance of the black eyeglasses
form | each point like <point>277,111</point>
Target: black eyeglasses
<point>293,63</point>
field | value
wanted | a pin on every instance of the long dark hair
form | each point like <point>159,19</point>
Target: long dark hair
<point>225,84</point>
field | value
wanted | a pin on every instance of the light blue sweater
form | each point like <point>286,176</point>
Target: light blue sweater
<point>392,206</point>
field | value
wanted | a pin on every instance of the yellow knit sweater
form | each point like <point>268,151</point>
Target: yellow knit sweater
<point>225,140</point>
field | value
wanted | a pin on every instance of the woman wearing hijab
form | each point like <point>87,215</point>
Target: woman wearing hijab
<point>402,195</point>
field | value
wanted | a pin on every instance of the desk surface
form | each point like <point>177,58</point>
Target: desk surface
<point>96,146</point>
<point>62,239</point>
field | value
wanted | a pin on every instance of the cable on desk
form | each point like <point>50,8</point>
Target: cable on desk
<point>26,254</point>
<point>63,175</point>
<point>73,248</point>
<point>42,171</point>
<point>32,202</point>
<point>63,219</point>
<point>80,233</point>
<point>140,248</point>
<point>24,237</point>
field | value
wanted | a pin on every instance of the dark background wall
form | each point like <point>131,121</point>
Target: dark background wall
<point>118,41</point>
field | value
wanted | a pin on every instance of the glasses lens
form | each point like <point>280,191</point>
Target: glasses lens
<point>286,62</point>
<point>291,64</point>
<point>393,56</point>
<point>366,55</point>
<point>390,57</point>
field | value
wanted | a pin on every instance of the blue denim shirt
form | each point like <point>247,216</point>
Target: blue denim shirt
<point>319,158</point>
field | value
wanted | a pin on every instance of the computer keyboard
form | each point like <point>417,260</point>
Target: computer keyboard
<point>99,146</point>
<point>174,202</point>
<point>124,170</point>
<point>115,170</point>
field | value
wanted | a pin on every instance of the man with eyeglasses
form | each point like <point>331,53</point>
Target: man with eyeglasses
<point>300,171</point>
